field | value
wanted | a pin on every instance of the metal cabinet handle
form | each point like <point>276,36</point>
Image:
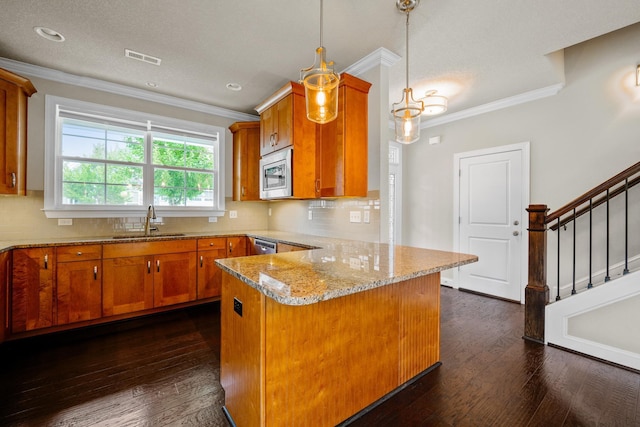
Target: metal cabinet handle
<point>516,222</point>
<point>148,267</point>
<point>230,247</point>
<point>211,244</point>
<point>201,259</point>
<point>242,192</point>
<point>79,253</point>
<point>275,137</point>
<point>13,180</point>
<point>46,261</point>
<point>95,272</point>
<point>516,233</point>
<point>158,265</point>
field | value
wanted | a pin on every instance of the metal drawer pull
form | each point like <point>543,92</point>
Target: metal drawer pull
<point>158,265</point>
<point>95,272</point>
<point>79,253</point>
<point>13,180</point>
<point>148,267</point>
<point>201,261</point>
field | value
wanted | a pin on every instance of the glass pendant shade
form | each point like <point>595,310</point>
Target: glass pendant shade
<point>406,116</point>
<point>321,89</point>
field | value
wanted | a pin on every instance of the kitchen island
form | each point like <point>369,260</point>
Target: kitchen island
<point>314,337</point>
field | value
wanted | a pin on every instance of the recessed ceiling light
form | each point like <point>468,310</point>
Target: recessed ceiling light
<point>152,84</point>
<point>49,34</point>
<point>234,87</point>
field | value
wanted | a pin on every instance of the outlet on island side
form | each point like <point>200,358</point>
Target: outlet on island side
<point>237,306</point>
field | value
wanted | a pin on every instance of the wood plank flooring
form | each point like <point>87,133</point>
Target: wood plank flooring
<point>163,370</point>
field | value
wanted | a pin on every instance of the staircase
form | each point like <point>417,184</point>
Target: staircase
<point>593,270</point>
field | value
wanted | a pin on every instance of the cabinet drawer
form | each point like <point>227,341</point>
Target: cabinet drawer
<point>78,252</point>
<point>212,243</point>
<point>118,250</point>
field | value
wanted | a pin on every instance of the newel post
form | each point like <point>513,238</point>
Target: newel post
<point>536,294</point>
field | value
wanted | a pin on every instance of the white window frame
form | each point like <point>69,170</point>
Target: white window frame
<point>53,206</point>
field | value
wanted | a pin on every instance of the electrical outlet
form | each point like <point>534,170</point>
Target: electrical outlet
<point>367,217</point>
<point>354,263</point>
<point>237,306</point>
<point>269,211</point>
<point>355,216</point>
<point>65,221</point>
<point>310,215</point>
<point>233,214</point>
<point>213,219</point>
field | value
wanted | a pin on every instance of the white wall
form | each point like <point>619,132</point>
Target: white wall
<point>583,135</point>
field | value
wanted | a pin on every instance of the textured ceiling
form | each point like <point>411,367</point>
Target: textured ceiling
<point>474,52</point>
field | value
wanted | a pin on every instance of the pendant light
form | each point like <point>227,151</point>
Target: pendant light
<point>320,86</point>
<point>406,113</point>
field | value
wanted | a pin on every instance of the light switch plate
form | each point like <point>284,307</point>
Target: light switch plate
<point>233,214</point>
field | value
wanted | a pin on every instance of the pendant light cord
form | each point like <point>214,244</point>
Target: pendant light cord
<point>321,23</point>
<point>407,54</point>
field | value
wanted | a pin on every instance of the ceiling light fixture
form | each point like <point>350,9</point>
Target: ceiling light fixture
<point>49,34</point>
<point>320,86</point>
<point>234,87</point>
<point>406,113</point>
<point>434,104</point>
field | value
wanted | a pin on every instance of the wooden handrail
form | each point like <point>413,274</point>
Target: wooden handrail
<point>597,203</point>
<point>627,173</point>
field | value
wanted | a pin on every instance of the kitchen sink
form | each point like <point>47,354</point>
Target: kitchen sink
<point>142,236</point>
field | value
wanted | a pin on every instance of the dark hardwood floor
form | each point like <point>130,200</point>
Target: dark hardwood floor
<point>164,371</point>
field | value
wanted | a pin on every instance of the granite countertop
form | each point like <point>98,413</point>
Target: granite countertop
<point>338,268</point>
<point>329,269</point>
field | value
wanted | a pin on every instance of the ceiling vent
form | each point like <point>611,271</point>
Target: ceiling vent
<point>142,57</point>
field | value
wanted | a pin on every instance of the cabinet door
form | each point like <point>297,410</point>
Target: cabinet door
<point>276,126</point>
<point>127,285</point>
<point>174,278</point>
<point>236,246</point>
<point>79,291</point>
<point>32,289</point>
<point>14,91</point>
<point>209,274</point>
<point>246,161</point>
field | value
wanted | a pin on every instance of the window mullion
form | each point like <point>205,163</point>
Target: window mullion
<point>148,184</point>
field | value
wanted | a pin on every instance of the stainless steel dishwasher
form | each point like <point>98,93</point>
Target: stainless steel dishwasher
<point>262,247</point>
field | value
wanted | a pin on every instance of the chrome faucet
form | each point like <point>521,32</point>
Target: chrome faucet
<point>151,214</point>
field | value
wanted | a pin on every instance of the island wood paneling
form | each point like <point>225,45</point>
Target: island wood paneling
<point>325,361</point>
<point>241,352</point>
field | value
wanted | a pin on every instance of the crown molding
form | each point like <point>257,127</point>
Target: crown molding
<point>380,56</point>
<point>511,101</point>
<point>119,89</point>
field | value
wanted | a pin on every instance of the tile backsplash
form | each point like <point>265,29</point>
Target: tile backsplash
<point>22,217</point>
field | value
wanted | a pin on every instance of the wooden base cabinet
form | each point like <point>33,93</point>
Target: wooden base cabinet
<point>283,365</point>
<point>33,289</point>
<point>79,283</point>
<point>139,276</point>
<point>209,250</point>
<point>127,285</point>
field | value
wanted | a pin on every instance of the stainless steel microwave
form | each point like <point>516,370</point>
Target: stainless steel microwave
<point>275,175</point>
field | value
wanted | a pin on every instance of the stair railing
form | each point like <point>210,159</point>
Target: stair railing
<point>537,290</point>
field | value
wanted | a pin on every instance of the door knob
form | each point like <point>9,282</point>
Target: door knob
<point>516,233</point>
<point>516,222</point>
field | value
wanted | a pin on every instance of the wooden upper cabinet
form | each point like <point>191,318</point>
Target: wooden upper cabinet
<point>79,283</point>
<point>246,160</point>
<point>342,143</point>
<point>32,296</point>
<point>277,118</point>
<point>14,92</point>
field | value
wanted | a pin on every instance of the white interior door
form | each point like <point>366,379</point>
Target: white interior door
<point>492,197</point>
